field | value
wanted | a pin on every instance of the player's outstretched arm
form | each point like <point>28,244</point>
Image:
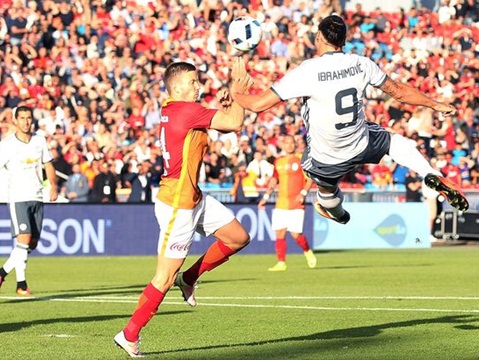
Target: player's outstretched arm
<point>230,114</point>
<point>256,103</point>
<point>409,95</point>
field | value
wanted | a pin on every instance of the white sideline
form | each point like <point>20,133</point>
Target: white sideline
<point>113,299</point>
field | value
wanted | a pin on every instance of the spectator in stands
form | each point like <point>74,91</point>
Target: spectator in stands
<point>140,184</point>
<point>104,185</point>
<point>413,187</point>
<point>244,190</point>
<point>76,187</point>
<point>261,168</point>
<point>245,152</point>
<point>62,168</point>
<point>215,169</point>
<point>110,59</point>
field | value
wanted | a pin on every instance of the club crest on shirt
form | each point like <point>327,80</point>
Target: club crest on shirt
<point>31,161</point>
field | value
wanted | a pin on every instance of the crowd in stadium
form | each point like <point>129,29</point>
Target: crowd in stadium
<point>92,70</point>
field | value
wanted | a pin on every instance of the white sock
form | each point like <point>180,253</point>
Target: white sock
<point>12,260</point>
<point>404,152</point>
<point>332,202</point>
<point>21,257</point>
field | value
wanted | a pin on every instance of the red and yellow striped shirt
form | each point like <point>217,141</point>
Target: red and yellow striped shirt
<point>291,179</point>
<point>184,142</point>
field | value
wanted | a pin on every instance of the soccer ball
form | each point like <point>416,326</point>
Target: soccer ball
<point>244,33</point>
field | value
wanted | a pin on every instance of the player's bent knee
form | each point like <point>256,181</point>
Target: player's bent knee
<point>163,283</point>
<point>330,202</point>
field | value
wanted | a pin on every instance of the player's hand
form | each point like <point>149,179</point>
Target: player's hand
<point>239,68</point>
<point>224,99</point>
<point>53,194</point>
<point>300,199</point>
<point>241,81</point>
<point>445,109</point>
<point>262,204</point>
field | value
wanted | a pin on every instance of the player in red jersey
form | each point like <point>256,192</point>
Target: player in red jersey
<point>288,214</point>
<point>182,209</point>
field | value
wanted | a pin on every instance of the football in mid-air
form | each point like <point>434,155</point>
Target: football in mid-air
<point>244,33</point>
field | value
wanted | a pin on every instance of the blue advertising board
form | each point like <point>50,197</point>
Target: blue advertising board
<point>128,229</point>
<point>374,226</point>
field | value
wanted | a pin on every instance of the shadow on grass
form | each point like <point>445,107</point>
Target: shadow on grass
<point>462,322</point>
<point>132,289</point>
<point>74,293</point>
<point>10,327</point>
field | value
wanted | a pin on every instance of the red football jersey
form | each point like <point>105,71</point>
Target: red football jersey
<point>291,179</point>
<point>184,142</point>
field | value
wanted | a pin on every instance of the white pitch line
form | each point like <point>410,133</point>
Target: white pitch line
<point>337,298</point>
<point>466,298</point>
<point>259,306</point>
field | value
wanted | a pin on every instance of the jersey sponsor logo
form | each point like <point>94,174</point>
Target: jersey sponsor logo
<point>180,247</point>
<point>339,74</point>
<point>31,161</point>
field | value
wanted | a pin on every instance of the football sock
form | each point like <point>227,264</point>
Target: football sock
<point>16,260</point>
<point>21,258</point>
<point>302,242</point>
<point>280,246</point>
<point>3,273</point>
<point>404,152</point>
<point>148,304</point>
<point>217,254</point>
<point>22,285</point>
<point>332,202</point>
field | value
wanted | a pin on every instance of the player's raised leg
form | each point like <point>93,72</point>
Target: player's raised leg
<point>450,191</point>
<point>231,239</point>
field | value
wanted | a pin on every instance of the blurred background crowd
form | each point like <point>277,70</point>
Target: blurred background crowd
<point>93,70</point>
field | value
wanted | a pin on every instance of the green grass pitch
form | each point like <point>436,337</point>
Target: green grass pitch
<point>369,304</point>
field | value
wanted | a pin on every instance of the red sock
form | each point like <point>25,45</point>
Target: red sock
<point>217,254</point>
<point>148,304</point>
<point>280,247</point>
<point>302,242</point>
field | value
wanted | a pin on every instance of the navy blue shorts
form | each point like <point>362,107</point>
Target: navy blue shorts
<point>328,175</point>
<point>27,218</point>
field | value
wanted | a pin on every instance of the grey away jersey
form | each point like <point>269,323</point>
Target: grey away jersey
<point>332,87</point>
<point>24,164</point>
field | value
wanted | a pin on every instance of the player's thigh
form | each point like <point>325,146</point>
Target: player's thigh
<point>215,216</point>
<point>177,229</point>
<point>291,220</point>
<point>26,218</point>
<point>220,221</point>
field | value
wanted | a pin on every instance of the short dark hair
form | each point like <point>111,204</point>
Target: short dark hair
<point>23,108</point>
<point>334,30</point>
<point>174,70</point>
